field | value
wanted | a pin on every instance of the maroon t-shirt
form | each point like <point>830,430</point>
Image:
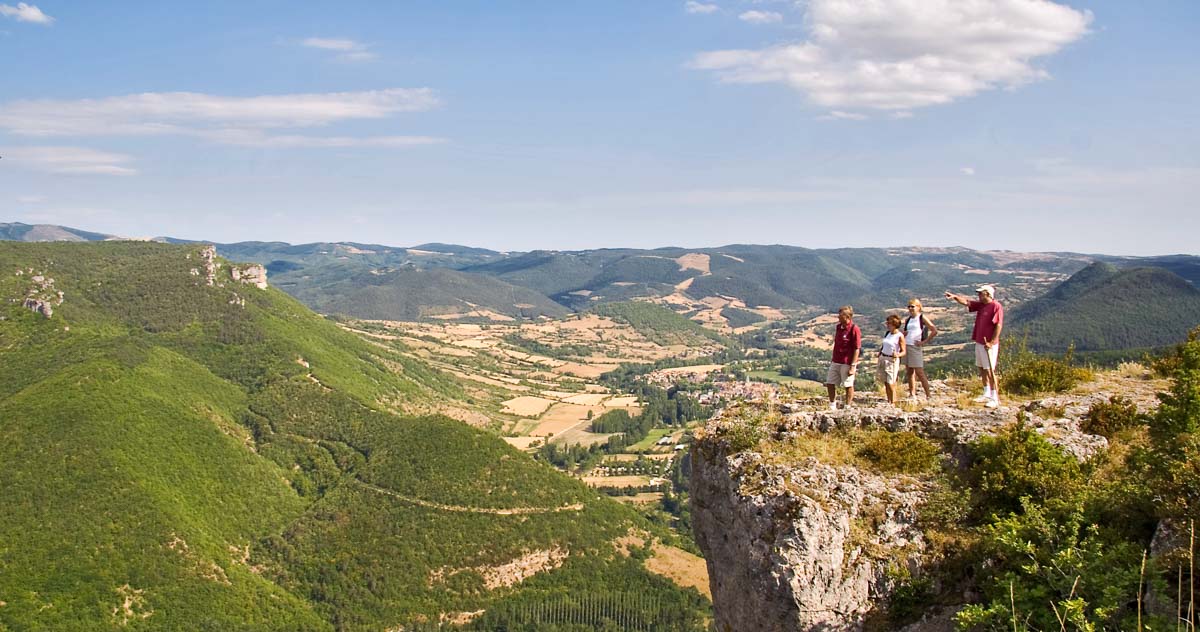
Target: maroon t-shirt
<point>846,340</point>
<point>988,316</point>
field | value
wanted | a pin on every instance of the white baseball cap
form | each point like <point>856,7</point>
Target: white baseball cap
<point>986,288</point>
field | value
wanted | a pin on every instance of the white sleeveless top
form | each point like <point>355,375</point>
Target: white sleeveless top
<point>914,333</point>
<point>891,344</point>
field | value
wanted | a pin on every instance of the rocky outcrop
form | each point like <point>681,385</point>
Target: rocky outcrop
<point>795,544</point>
<point>250,274</point>
<point>799,547</point>
<point>41,296</point>
<point>208,265</point>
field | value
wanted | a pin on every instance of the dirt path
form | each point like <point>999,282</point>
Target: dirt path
<point>516,511</point>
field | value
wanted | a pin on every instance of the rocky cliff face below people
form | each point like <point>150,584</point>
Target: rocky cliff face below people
<point>801,534</point>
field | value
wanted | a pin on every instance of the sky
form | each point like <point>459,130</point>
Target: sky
<point>570,124</point>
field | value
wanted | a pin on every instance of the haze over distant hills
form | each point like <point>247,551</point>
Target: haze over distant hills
<point>446,281</point>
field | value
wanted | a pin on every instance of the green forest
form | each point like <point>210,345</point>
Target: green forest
<point>186,456</point>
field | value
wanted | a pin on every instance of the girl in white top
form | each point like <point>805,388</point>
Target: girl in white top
<point>918,331</point>
<point>890,352</point>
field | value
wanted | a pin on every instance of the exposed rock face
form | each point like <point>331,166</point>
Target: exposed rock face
<point>41,296</point>
<point>803,547</point>
<point>252,274</point>
<point>208,262</point>
<point>41,307</point>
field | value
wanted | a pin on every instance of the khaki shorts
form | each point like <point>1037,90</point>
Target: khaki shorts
<point>986,358</point>
<point>839,375</point>
<point>914,358</point>
<point>886,369</point>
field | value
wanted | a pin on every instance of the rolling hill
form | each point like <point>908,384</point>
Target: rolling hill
<point>411,293</point>
<point>1105,308</point>
<point>47,232</point>
<point>183,451</point>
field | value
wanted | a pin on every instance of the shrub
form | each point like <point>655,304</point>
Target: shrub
<point>1111,417</point>
<point>1029,374</point>
<point>900,452</point>
<point>1043,375</point>
<point>1019,463</point>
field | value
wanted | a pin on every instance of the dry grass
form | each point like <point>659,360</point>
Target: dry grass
<point>832,448</point>
<point>527,406</point>
<point>681,567</point>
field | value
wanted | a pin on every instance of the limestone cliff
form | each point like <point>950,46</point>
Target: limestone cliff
<point>817,541</point>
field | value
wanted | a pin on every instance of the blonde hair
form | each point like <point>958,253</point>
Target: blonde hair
<point>915,302</point>
<point>893,319</point>
<point>846,309</point>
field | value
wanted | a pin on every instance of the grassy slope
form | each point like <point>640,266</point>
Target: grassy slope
<point>168,411</point>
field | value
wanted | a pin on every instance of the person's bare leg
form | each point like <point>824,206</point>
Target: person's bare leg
<point>890,389</point>
<point>832,392</point>
<point>849,395</point>
<point>912,383</point>
<point>991,381</point>
<point>924,382</point>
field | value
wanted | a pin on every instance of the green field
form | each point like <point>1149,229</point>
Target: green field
<point>648,443</point>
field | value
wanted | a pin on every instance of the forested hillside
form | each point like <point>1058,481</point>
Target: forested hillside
<point>183,451</point>
<point>1103,308</point>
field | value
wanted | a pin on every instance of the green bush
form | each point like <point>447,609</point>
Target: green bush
<point>1111,417</point>
<point>900,453</point>
<point>1019,463</point>
<point>1030,374</point>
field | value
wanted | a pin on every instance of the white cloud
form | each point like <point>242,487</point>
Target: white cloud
<point>70,160</point>
<point>31,199</point>
<point>967,171</point>
<point>761,17</point>
<point>349,49</point>
<point>25,13</point>
<point>838,115</point>
<point>255,138</point>
<point>699,7</point>
<point>906,54</point>
<point>204,115</point>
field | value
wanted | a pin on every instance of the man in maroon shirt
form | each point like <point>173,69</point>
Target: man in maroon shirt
<point>847,342</point>
<point>989,322</point>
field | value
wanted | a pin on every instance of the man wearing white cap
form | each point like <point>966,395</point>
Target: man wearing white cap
<point>989,321</point>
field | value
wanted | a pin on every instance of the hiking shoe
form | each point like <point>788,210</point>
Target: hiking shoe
<point>832,406</point>
<point>982,399</point>
<point>992,403</point>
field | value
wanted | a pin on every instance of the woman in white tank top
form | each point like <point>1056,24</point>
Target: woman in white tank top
<point>890,352</point>
<point>918,331</point>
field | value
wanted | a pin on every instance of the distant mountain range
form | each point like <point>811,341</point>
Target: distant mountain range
<point>446,280</point>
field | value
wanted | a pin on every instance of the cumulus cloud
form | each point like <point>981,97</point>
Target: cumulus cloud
<point>25,13</point>
<point>347,49</point>
<point>761,17</point>
<point>70,160</point>
<point>907,54</point>
<point>699,7</point>
<point>218,118</point>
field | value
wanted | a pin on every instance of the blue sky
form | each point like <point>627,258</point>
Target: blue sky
<point>1010,124</point>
